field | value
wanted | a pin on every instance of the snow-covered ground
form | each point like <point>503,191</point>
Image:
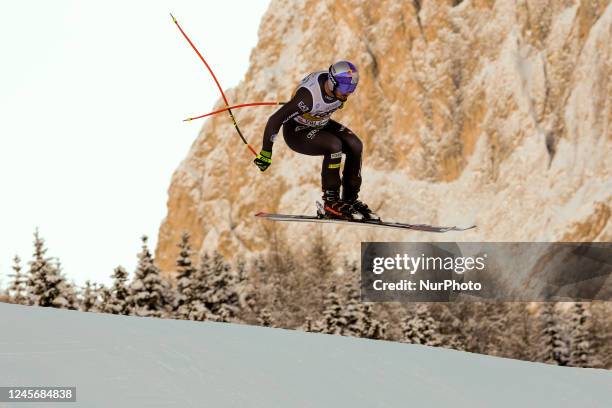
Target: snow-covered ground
<point>118,361</point>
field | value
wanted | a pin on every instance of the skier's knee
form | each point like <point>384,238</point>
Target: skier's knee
<point>354,147</point>
<point>334,147</point>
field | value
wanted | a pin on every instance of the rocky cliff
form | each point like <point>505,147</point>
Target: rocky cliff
<point>488,112</point>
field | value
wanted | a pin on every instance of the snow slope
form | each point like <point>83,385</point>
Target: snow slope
<point>131,362</point>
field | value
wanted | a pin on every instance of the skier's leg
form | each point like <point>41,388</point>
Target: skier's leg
<point>352,147</point>
<point>317,142</point>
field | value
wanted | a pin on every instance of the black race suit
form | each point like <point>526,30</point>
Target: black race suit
<point>329,141</point>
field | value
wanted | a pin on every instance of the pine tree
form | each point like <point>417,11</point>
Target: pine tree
<point>265,319</point>
<point>553,346</point>
<point>70,294</point>
<point>118,297</point>
<point>358,317</point>
<point>601,328</point>
<point>310,326</point>
<point>105,298</point>
<point>219,288</point>
<point>147,290</point>
<point>17,290</point>
<point>188,304</point>
<point>454,336</point>
<point>169,297</point>
<point>90,297</point>
<point>352,312</point>
<point>46,285</point>
<point>582,353</point>
<point>333,321</point>
<point>495,327</point>
<point>191,292</point>
<point>485,326</point>
<point>39,268</point>
<point>67,289</point>
<point>246,297</point>
<point>344,314</point>
<point>372,328</point>
<point>518,342</point>
<point>421,328</point>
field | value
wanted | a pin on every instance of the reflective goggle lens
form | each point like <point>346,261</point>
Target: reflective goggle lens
<point>346,88</point>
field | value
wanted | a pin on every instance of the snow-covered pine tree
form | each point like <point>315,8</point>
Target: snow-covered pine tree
<point>188,303</point>
<point>17,289</point>
<point>264,318</point>
<point>193,307</point>
<point>495,327</point>
<point>421,328</point>
<point>168,296</point>
<point>372,328</point>
<point>40,267</point>
<point>518,342</point>
<point>358,317</point>
<point>90,297</point>
<point>118,301</point>
<point>45,283</point>
<point>602,333</point>
<point>104,298</point>
<point>67,289</point>
<point>482,327</point>
<point>352,311</point>
<point>581,352</point>
<point>310,326</point>
<point>219,288</point>
<point>554,348</point>
<point>146,289</point>
<point>71,295</point>
<point>246,296</point>
<point>344,314</point>
<point>453,336</point>
<point>334,321</point>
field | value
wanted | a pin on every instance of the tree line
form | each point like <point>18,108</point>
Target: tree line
<point>309,292</point>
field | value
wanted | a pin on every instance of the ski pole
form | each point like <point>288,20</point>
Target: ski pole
<point>235,107</point>
<point>218,85</point>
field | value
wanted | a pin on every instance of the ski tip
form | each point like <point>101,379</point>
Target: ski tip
<point>260,214</point>
<point>464,228</point>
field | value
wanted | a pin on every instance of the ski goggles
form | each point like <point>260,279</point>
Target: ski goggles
<point>346,87</point>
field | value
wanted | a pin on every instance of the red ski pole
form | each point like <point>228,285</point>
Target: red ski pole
<point>218,85</point>
<point>235,107</point>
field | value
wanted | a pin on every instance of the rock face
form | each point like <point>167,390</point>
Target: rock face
<point>488,112</point>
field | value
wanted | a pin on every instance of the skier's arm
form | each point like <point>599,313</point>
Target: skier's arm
<point>299,104</point>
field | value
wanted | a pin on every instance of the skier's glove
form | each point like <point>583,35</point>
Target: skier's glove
<point>263,160</point>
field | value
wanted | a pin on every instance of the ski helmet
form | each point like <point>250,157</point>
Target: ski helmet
<point>343,76</point>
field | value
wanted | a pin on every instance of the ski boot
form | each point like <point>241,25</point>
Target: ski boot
<point>363,209</point>
<point>333,207</point>
<point>360,207</point>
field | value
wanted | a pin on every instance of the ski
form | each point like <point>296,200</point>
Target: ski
<point>372,223</point>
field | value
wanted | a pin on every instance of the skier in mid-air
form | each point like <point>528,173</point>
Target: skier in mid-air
<point>309,129</point>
